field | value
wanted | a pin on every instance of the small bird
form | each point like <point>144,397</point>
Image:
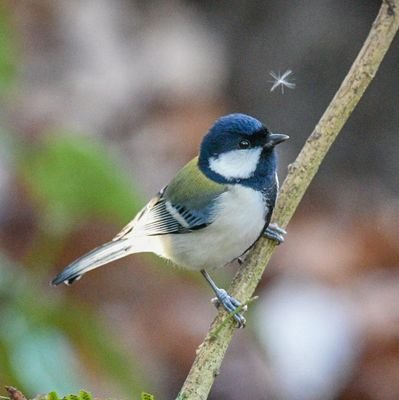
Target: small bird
<point>212,211</point>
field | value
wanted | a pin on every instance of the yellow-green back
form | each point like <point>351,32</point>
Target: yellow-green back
<point>190,187</point>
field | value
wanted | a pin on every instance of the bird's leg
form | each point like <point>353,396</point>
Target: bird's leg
<point>274,232</point>
<point>228,302</point>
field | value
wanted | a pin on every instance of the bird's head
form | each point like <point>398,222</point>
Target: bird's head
<point>237,147</point>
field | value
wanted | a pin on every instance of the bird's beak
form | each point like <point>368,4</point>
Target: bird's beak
<point>276,138</point>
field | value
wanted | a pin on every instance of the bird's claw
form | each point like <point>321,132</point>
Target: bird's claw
<point>230,304</point>
<point>275,233</point>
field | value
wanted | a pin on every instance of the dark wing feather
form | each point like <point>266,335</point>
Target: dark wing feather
<point>161,217</point>
<point>166,218</point>
<point>185,205</point>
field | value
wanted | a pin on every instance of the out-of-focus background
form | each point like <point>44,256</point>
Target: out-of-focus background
<point>101,102</point>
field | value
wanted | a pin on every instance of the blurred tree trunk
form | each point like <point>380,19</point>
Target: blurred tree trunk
<point>211,352</point>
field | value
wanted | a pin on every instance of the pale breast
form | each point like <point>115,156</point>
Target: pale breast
<point>240,219</point>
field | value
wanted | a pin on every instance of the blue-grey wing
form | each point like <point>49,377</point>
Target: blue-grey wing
<point>162,217</point>
<point>187,204</point>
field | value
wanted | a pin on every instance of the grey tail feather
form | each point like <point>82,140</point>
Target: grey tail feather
<point>101,255</point>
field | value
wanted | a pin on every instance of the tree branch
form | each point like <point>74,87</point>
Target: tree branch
<point>211,352</point>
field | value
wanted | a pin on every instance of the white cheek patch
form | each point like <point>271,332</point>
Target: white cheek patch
<point>236,164</point>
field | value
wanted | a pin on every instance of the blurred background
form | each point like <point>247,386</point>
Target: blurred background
<point>101,102</point>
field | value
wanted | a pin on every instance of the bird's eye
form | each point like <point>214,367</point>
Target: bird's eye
<point>244,144</point>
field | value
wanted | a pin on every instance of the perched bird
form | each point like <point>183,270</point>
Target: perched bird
<point>211,212</point>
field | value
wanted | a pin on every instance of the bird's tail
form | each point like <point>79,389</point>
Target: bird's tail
<point>104,254</point>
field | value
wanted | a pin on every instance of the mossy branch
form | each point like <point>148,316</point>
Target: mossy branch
<point>211,352</point>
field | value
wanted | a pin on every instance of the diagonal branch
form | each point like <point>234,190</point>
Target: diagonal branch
<point>211,352</point>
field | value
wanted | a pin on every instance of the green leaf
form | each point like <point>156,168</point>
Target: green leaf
<point>7,50</point>
<point>52,396</point>
<point>33,315</point>
<point>71,397</point>
<point>147,396</point>
<point>83,395</point>
<point>74,177</point>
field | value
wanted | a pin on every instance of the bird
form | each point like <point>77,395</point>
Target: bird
<point>211,213</point>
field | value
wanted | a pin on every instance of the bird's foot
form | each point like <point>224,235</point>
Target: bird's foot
<point>274,232</point>
<point>231,305</point>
